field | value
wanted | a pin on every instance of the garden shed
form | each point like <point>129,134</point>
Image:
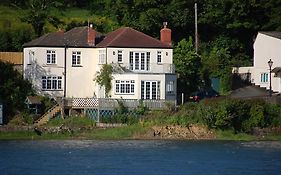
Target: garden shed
<point>33,103</point>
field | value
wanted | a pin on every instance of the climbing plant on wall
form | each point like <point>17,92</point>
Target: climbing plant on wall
<point>104,77</point>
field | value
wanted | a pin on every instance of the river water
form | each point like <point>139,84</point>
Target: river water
<point>135,157</point>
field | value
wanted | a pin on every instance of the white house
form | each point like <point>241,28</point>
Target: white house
<point>267,46</point>
<point>65,64</point>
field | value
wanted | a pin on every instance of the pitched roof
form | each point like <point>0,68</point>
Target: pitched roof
<point>51,39</point>
<point>274,34</point>
<point>76,37</point>
<point>33,100</point>
<point>128,37</point>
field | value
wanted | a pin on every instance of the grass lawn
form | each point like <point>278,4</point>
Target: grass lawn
<point>126,132</point>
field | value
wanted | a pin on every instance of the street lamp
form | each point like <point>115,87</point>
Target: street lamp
<point>270,63</point>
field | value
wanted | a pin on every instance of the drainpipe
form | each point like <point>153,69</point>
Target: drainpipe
<point>64,91</point>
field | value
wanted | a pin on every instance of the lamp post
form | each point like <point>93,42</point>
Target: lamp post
<point>270,63</point>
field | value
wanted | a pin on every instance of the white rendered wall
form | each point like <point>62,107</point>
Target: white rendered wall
<point>39,67</point>
<point>167,57</point>
<point>163,78</point>
<point>265,48</point>
<point>80,79</point>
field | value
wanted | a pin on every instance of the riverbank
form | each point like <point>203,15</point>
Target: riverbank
<point>137,132</point>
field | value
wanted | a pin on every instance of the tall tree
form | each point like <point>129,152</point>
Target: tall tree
<point>188,65</point>
<point>13,89</point>
<point>38,13</point>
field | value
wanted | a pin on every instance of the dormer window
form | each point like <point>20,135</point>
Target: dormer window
<point>51,57</point>
<point>120,56</point>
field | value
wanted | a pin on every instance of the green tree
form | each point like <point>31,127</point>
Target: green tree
<point>38,14</point>
<point>188,65</point>
<point>217,63</point>
<point>13,89</point>
<point>5,41</point>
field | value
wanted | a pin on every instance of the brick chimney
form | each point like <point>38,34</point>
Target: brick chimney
<point>166,34</point>
<point>91,35</point>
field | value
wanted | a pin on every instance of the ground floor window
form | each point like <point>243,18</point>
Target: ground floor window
<point>170,87</point>
<point>264,77</point>
<point>51,83</point>
<point>150,89</point>
<point>125,86</point>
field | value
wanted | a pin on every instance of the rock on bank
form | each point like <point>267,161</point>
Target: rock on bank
<point>192,132</point>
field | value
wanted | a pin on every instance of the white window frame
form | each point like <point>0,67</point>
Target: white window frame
<point>51,83</point>
<point>139,61</point>
<point>125,87</point>
<point>76,59</point>
<point>102,56</point>
<point>264,77</point>
<point>170,87</point>
<point>150,90</point>
<point>159,57</point>
<point>51,57</point>
<point>120,56</point>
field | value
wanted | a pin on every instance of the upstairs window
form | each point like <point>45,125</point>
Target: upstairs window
<point>264,77</point>
<point>76,58</point>
<point>102,56</point>
<point>139,61</point>
<point>31,57</point>
<point>120,56</point>
<point>51,57</point>
<point>159,57</point>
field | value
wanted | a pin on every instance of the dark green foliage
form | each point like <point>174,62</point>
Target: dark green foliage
<point>188,65</point>
<point>28,118</point>
<point>121,112</point>
<point>5,41</point>
<point>73,122</point>
<point>272,115</point>
<point>47,103</point>
<point>222,114</point>
<point>11,39</point>
<point>141,109</point>
<point>226,81</point>
<point>37,14</point>
<point>123,115</point>
<point>13,89</point>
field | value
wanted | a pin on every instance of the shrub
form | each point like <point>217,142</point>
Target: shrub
<point>272,115</point>
<point>256,118</point>
<point>28,118</point>
<point>80,121</point>
<point>141,109</point>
